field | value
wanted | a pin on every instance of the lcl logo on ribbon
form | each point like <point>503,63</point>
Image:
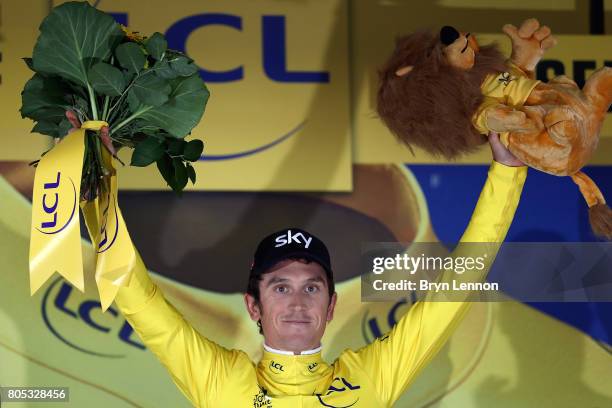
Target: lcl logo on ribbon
<point>52,195</point>
<point>110,226</point>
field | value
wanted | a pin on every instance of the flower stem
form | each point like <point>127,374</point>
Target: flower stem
<point>92,101</point>
<point>130,118</point>
<point>105,111</point>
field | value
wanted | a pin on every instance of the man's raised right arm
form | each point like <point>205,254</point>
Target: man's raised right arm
<point>196,364</point>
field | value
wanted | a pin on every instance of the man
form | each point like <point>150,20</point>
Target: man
<point>291,296</point>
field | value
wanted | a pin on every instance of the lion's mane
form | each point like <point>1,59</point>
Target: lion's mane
<point>433,105</point>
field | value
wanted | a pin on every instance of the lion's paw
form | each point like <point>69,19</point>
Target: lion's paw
<point>529,43</point>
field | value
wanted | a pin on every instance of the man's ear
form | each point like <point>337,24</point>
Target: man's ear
<point>404,70</point>
<point>331,306</point>
<point>253,307</point>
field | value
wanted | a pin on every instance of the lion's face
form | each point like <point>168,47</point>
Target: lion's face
<point>461,52</point>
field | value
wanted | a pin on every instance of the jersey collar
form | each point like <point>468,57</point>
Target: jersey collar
<point>291,353</point>
<point>282,372</point>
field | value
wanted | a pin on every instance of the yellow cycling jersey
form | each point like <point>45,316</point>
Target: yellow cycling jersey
<point>511,88</point>
<point>376,375</point>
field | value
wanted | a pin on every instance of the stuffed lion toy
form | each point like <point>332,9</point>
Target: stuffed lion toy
<point>444,93</point>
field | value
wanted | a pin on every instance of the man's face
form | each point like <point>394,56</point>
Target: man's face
<point>294,305</point>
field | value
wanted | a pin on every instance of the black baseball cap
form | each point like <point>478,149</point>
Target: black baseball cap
<point>290,243</point>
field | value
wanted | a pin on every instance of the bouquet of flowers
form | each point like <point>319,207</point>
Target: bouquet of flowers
<point>89,68</point>
<point>97,88</point>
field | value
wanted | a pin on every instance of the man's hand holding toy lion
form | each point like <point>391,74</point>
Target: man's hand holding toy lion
<point>444,93</point>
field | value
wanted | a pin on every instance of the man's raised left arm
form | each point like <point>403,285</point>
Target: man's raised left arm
<point>394,360</point>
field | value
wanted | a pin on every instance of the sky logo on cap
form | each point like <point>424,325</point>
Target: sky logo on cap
<point>288,238</point>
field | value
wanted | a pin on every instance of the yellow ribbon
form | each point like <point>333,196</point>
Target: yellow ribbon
<point>93,124</point>
<point>55,242</point>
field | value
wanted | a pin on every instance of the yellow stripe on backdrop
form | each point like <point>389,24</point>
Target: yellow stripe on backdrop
<point>503,355</point>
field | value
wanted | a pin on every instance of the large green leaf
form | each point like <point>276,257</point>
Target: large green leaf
<point>73,37</point>
<point>151,90</point>
<point>130,57</point>
<point>128,76</point>
<point>51,128</point>
<point>149,130</point>
<point>183,66</point>
<point>156,45</point>
<point>191,173</point>
<point>176,147</point>
<point>133,101</point>
<point>51,114</point>
<point>166,169</point>
<point>64,127</point>
<point>183,110</point>
<point>180,173</point>
<point>162,69</point>
<point>44,98</point>
<point>45,127</point>
<point>193,150</point>
<point>107,79</point>
<point>147,151</point>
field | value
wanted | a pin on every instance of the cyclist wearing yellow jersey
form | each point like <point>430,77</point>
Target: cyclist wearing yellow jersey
<point>291,296</point>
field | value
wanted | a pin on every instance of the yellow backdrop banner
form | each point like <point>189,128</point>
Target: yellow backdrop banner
<point>501,355</point>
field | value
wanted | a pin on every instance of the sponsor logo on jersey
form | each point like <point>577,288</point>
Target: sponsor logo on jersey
<point>261,399</point>
<point>340,394</point>
<point>276,367</point>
